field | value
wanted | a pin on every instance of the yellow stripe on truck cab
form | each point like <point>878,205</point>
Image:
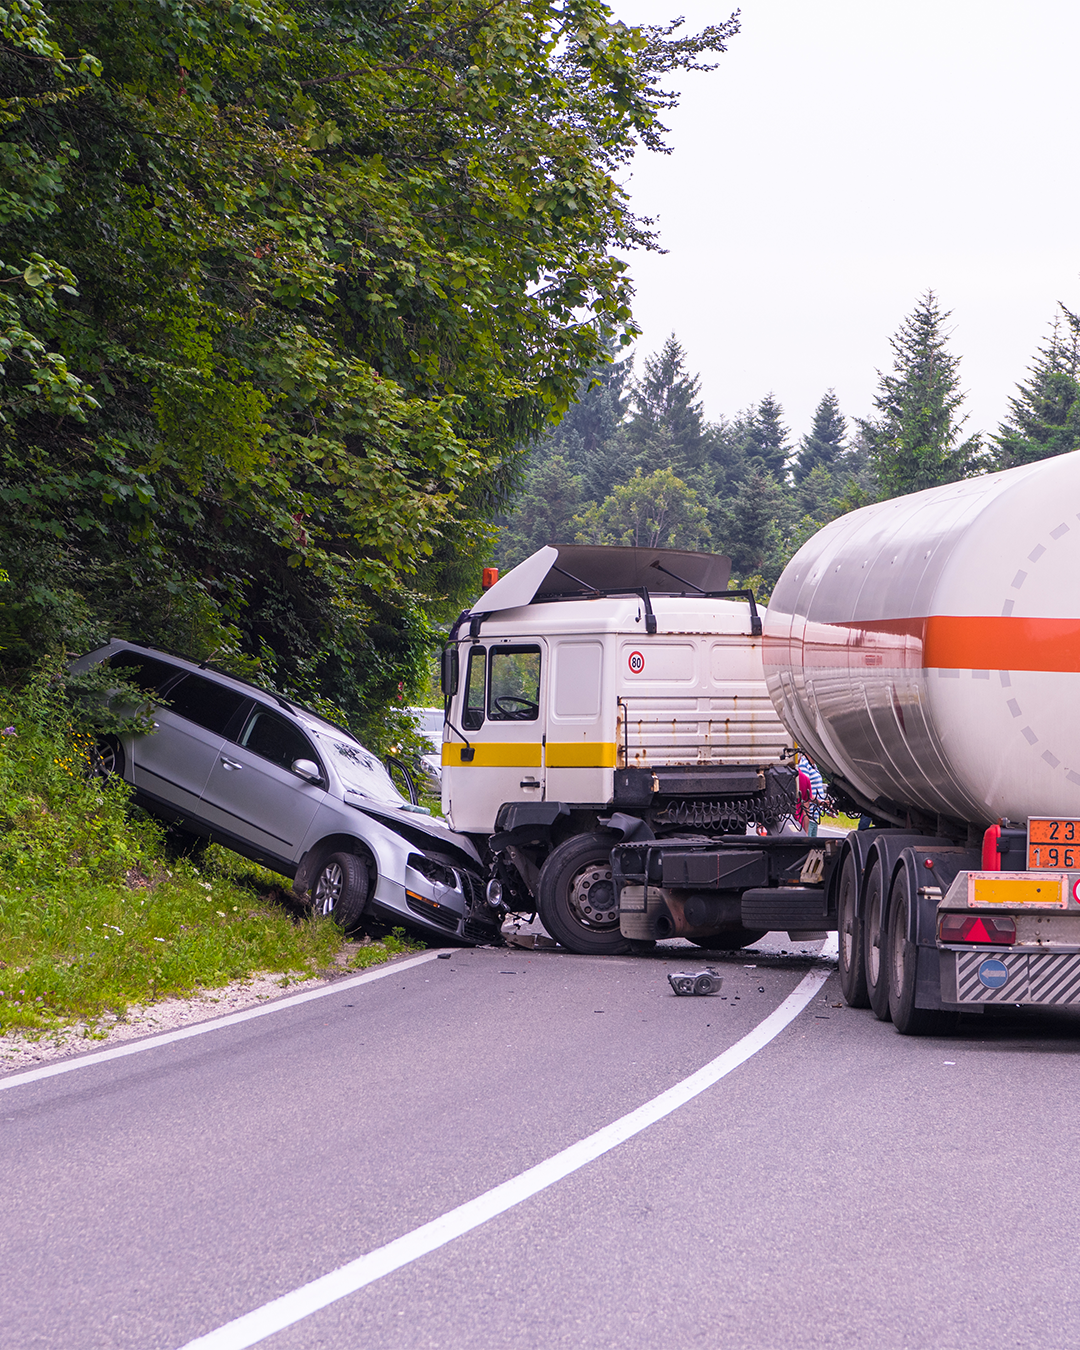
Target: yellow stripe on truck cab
<point>581,754</point>
<point>495,755</point>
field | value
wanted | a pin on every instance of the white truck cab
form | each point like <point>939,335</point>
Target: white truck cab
<point>597,694</point>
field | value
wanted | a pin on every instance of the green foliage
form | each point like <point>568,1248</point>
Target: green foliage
<point>915,439</point>
<point>654,511</point>
<point>1044,416</point>
<point>286,288</point>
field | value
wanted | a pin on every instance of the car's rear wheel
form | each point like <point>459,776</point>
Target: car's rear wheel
<point>340,889</point>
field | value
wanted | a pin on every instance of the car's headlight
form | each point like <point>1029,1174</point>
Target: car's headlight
<point>437,873</point>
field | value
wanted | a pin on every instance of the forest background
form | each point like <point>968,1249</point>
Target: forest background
<point>293,297</point>
<point>634,462</point>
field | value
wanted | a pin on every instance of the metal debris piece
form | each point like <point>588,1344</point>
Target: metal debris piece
<point>695,981</point>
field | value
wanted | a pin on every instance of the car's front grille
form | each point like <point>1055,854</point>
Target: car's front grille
<point>433,912</point>
<point>474,887</point>
<point>480,931</point>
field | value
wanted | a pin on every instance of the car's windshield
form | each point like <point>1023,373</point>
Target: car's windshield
<point>360,770</point>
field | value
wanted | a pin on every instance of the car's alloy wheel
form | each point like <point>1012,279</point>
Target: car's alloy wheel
<point>341,888</point>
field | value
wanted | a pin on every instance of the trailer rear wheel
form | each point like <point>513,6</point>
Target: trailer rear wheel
<point>849,920</point>
<point>900,960</point>
<point>578,904</point>
<point>875,959</point>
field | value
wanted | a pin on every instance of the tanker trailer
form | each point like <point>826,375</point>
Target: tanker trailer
<point>926,651</point>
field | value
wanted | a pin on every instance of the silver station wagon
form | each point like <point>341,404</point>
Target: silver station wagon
<point>251,770</point>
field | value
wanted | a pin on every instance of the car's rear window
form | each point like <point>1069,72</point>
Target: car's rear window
<point>146,672</point>
<point>210,705</point>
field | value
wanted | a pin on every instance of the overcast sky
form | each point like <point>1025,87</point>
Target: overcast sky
<point>845,156</point>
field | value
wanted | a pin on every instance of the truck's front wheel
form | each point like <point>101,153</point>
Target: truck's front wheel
<point>578,904</point>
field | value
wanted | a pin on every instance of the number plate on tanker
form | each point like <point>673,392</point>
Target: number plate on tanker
<point>1053,843</point>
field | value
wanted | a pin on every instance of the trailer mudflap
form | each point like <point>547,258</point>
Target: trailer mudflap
<point>992,975</point>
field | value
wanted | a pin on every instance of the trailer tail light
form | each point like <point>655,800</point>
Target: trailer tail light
<point>980,928</point>
<point>991,858</point>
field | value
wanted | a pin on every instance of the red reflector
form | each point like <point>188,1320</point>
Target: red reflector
<point>991,858</point>
<point>981,928</point>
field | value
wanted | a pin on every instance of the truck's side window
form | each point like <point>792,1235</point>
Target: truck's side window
<point>472,703</point>
<point>514,684</point>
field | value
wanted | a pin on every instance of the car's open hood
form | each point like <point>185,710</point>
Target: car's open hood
<point>423,831</point>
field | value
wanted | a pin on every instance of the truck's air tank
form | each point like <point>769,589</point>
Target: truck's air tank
<point>927,649</point>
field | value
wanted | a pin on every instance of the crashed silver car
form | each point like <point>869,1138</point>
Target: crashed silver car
<point>233,763</point>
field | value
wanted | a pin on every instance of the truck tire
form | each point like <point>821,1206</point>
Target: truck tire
<point>779,909</point>
<point>849,921</point>
<point>900,957</point>
<point>577,900</point>
<point>875,942</point>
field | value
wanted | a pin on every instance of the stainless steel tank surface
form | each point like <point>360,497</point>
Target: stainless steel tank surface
<point>927,648</point>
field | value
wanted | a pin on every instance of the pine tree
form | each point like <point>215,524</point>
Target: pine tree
<point>1044,417</point>
<point>749,533</point>
<point>915,441</point>
<point>825,443</point>
<point>666,429</point>
<point>767,437</point>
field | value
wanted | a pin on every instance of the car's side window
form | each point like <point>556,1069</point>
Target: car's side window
<point>145,672</point>
<point>201,701</point>
<point>472,706</point>
<point>275,739</point>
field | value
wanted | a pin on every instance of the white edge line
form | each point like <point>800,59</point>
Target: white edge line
<point>201,1028</point>
<point>282,1312</point>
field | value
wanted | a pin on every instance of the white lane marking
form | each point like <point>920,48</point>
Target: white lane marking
<point>282,1312</point>
<point>201,1028</point>
<point>830,948</point>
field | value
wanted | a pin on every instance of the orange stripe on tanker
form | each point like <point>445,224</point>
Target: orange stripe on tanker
<point>945,641</point>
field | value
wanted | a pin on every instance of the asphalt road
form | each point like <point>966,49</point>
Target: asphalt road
<point>844,1187</point>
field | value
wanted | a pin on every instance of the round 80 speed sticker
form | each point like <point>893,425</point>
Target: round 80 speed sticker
<point>636,663</point>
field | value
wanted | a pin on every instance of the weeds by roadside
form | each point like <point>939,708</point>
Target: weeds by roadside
<point>94,916</point>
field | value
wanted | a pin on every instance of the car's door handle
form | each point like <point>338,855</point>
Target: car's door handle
<point>230,763</point>
<point>529,782</point>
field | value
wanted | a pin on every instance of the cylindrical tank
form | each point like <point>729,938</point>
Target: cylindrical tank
<point>927,649</point>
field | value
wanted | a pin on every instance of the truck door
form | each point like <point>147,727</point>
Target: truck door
<point>579,756</point>
<point>504,688</point>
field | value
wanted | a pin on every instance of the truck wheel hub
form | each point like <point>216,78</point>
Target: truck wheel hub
<point>592,897</point>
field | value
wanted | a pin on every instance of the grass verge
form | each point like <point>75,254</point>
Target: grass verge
<point>94,916</point>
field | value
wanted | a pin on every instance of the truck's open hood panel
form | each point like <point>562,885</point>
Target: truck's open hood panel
<point>597,567</point>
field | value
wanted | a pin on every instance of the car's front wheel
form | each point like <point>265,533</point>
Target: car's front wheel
<point>341,889</point>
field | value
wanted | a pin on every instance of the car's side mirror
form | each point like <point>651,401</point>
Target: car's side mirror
<point>448,671</point>
<point>307,769</point>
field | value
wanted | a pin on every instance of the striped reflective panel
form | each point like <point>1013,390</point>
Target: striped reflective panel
<point>970,989</point>
<point>1054,977</point>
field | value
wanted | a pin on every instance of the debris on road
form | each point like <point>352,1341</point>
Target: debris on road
<point>695,981</point>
